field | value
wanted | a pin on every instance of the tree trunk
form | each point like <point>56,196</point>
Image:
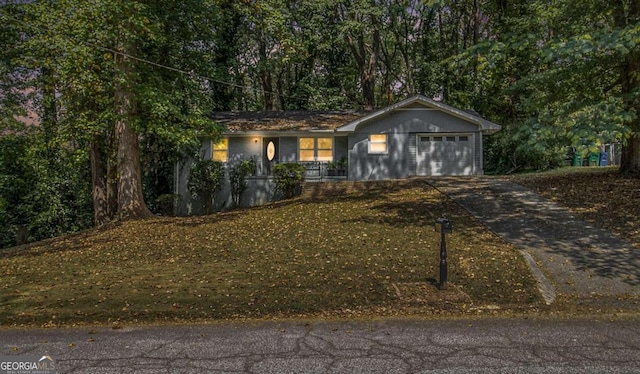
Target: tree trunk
<point>131,203</point>
<point>630,162</point>
<point>98,184</point>
<point>630,78</point>
<point>265,76</point>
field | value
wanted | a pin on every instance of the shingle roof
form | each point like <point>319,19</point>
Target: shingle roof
<point>285,121</point>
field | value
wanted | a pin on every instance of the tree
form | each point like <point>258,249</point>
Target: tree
<point>112,91</point>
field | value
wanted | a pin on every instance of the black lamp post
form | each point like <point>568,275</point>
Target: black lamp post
<point>443,226</point>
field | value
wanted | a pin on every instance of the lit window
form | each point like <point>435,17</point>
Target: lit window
<point>378,143</point>
<point>307,149</point>
<point>316,149</point>
<point>325,149</point>
<point>221,150</point>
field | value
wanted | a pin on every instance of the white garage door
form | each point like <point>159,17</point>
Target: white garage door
<point>444,154</point>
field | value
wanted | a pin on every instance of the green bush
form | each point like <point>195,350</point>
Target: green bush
<point>238,179</point>
<point>166,203</point>
<point>288,178</point>
<point>505,154</point>
<point>205,180</point>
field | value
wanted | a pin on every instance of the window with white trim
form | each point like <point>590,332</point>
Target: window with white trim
<point>315,149</point>
<point>378,143</point>
<point>220,150</point>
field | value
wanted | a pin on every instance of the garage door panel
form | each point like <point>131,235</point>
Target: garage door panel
<point>444,155</point>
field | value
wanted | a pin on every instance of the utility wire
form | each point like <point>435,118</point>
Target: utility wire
<point>139,59</point>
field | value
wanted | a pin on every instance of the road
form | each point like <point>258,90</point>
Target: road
<point>399,346</point>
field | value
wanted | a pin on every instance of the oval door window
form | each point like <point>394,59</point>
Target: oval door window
<point>271,151</point>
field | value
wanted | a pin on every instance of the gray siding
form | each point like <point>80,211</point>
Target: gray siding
<point>244,148</point>
<point>401,159</point>
<point>340,147</point>
<point>288,149</point>
<point>418,121</point>
<point>392,165</point>
<point>479,162</point>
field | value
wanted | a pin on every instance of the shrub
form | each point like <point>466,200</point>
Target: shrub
<point>205,179</point>
<point>238,179</point>
<point>166,204</point>
<point>288,178</point>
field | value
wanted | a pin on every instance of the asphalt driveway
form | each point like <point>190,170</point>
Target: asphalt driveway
<point>568,256</point>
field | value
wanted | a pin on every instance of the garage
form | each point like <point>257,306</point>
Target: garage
<point>444,154</point>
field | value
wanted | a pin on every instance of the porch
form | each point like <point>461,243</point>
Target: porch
<point>315,170</point>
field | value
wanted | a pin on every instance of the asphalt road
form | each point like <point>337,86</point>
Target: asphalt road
<point>414,346</point>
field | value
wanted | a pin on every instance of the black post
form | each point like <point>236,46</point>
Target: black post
<point>443,262</point>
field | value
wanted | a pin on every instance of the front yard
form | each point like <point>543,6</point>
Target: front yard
<point>362,249</point>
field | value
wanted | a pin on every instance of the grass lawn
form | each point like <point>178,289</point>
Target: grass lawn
<point>363,249</point>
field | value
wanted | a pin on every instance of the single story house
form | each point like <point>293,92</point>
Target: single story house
<point>415,137</point>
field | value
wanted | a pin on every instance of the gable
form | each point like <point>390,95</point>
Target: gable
<point>425,112</point>
<point>418,120</point>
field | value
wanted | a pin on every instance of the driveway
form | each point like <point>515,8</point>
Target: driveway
<point>567,255</point>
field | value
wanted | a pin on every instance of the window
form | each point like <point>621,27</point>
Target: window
<point>325,149</point>
<point>378,143</point>
<point>221,150</point>
<point>307,146</point>
<point>437,138</point>
<point>451,138</point>
<point>463,138</point>
<point>316,149</point>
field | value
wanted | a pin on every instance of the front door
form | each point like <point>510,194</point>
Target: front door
<point>271,152</point>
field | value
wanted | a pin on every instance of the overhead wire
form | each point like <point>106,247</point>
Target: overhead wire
<point>149,62</point>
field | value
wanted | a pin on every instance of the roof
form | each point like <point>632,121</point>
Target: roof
<point>285,121</point>
<point>425,102</point>
<point>338,121</point>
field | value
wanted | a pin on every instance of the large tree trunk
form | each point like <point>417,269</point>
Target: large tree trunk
<point>130,199</point>
<point>630,78</point>
<point>98,183</point>
<point>630,162</point>
<point>265,75</point>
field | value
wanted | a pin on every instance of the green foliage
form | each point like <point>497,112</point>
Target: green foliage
<point>205,180</point>
<point>166,204</point>
<point>288,178</point>
<point>50,197</point>
<point>238,178</point>
<point>342,163</point>
<point>506,154</point>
